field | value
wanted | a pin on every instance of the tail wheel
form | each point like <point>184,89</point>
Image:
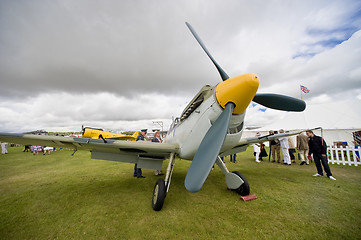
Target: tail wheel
<point>159,194</point>
<point>244,189</point>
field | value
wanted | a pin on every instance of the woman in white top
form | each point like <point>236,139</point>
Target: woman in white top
<point>257,149</point>
<point>284,147</point>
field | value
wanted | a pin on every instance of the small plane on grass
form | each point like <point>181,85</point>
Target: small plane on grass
<point>97,133</point>
<point>210,127</point>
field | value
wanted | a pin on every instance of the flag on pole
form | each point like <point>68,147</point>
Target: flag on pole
<point>304,89</point>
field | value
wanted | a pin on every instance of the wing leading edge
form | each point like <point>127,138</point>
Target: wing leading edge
<point>147,154</point>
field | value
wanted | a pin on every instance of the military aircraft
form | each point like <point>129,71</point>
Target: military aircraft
<point>98,133</point>
<point>210,127</point>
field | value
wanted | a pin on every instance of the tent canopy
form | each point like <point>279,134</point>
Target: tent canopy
<point>338,121</point>
<point>338,115</point>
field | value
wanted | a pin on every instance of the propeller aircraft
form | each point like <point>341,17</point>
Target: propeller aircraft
<point>210,127</point>
<point>96,133</point>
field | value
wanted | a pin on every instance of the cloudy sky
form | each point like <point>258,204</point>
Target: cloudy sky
<point>121,65</point>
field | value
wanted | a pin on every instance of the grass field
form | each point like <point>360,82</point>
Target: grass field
<point>64,197</point>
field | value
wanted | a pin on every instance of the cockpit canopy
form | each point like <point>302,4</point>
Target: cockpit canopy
<point>202,95</point>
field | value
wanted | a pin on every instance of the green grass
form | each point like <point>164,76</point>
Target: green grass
<point>59,196</point>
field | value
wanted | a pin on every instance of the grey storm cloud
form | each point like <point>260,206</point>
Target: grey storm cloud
<point>92,47</point>
<point>90,60</point>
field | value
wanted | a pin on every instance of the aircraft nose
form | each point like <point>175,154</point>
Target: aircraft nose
<point>239,90</point>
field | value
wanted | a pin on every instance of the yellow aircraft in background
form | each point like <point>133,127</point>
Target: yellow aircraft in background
<point>96,133</point>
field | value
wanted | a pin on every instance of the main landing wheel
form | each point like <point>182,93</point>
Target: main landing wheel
<point>244,189</point>
<point>159,194</point>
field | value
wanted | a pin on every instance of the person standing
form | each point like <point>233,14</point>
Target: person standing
<point>318,149</point>
<point>302,147</point>
<point>263,152</point>
<point>138,171</point>
<point>157,138</point>
<point>27,148</point>
<point>36,149</point>
<point>274,148</point>
<point>4,149</point>
<point>233,158</point>
<point>291,149</point>
<point>284,147</point>
<point>257,149</point>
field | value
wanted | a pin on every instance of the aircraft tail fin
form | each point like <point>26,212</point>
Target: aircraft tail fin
<point>135,135</point>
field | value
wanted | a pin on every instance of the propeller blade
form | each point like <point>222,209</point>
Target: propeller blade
<point>223,74</point>
<point>208,151</point>
<point>280,102</point>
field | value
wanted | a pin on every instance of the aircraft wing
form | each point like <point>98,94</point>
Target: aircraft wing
<point>245,142</point>
<point>123,138</point>
<point>146,154</point>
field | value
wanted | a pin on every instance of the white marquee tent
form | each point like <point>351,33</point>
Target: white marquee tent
<point>337,120</point>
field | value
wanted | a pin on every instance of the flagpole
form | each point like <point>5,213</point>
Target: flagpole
<point>304,90</point>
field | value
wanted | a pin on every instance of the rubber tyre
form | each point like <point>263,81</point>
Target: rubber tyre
<point>244,189</point>
<point>159,194</point>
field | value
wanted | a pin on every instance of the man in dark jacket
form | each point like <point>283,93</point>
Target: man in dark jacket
<point>138,171</point>
<point>318,148</point>
<point>275,149</point>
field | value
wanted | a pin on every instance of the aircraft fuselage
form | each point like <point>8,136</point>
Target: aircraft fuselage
<point>190,132</point>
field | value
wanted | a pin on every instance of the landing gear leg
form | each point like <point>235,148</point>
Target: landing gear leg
<point>234,180</point>
<point>162,186</point>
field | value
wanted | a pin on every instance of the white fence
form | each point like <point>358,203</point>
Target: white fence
<point>344,155</point>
